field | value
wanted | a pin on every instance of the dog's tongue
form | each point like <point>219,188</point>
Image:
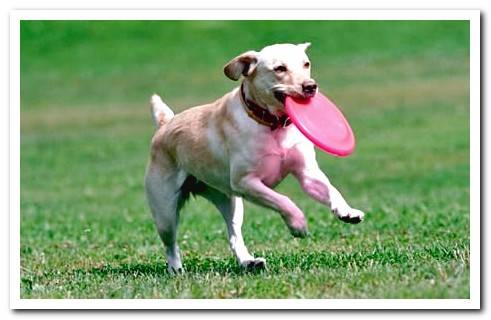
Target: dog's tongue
<point>322,122</point>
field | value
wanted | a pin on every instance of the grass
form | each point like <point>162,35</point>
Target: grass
<point>86,231</point>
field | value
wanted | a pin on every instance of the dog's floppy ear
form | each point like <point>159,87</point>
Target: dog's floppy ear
<point>244,65</point>
<point>304,46</point>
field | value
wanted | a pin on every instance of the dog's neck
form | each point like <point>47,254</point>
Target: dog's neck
<point>262,115</point>
<point>252,95</point>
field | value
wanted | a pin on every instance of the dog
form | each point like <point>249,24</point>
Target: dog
<point>239,147</point>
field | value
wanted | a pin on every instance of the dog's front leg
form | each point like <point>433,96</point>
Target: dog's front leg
<point>253,189</point>
<point>315,183</point>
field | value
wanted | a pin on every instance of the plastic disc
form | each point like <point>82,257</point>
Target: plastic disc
<point>322,122</point>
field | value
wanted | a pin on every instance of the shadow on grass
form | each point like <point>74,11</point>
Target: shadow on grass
<point>199,265</point>
<point>191,265</point>
<point>277,263</point>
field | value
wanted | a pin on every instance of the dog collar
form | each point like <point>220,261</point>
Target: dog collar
<point>262,115</point>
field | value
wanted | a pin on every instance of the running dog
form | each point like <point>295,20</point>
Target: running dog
<point>239,147</point>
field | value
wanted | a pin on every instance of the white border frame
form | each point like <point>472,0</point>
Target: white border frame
<point>475,153</point>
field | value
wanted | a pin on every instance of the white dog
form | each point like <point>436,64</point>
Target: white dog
<point>240,146</point>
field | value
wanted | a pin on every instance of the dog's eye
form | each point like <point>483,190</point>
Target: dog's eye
<point>280,69</point>
<point>306,64</point>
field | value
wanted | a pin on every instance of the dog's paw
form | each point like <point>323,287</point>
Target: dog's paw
<point>255,264</point>
<point>300,232</point>
<point>297,226</point>
<point>352,216</point>
<point>175,270</point>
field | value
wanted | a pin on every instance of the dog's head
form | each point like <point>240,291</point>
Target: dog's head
<point>275,72</point>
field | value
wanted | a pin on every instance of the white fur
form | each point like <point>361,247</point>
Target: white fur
<point>159,110</point>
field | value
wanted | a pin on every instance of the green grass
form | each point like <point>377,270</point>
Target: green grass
<point>86,231</point>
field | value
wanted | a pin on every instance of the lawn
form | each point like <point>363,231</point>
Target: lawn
<point>86,231</point>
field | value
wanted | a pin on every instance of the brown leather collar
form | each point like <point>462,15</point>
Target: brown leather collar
<point>262,115</point>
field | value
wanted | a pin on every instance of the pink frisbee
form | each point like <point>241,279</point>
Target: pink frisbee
<point>322,122</point>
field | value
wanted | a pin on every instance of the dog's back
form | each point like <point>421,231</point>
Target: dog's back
<point>193,141</point>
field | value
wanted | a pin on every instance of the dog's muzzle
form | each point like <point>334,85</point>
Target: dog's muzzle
<point>309,89</point>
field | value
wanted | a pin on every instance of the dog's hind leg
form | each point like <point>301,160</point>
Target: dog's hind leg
<point>232,210</point>
<point>164,194</point>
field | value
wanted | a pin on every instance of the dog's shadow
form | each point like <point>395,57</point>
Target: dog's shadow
<point>223,267</point>
<point>276,263</point>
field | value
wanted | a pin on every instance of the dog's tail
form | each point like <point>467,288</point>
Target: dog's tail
<point>161,113</point>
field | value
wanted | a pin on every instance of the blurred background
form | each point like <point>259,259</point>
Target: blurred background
<point>86,127</point>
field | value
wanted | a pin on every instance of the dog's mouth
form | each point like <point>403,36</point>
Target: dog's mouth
<point>280,96</point>
<point>308,94</point>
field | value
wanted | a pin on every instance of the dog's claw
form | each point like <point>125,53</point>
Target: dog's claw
<point>300,233</point>
<point>175,270</point>
<point>352,220</point>
<point>355,216</point>
<point>255,265</point>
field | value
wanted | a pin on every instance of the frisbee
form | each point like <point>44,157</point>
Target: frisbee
<point>322,122</point>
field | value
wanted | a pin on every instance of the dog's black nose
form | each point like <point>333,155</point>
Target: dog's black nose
<point>309,87</point>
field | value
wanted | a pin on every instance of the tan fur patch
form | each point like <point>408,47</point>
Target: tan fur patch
<point>185,141</point>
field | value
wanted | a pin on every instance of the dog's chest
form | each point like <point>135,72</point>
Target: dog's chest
<point>275,155</point>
